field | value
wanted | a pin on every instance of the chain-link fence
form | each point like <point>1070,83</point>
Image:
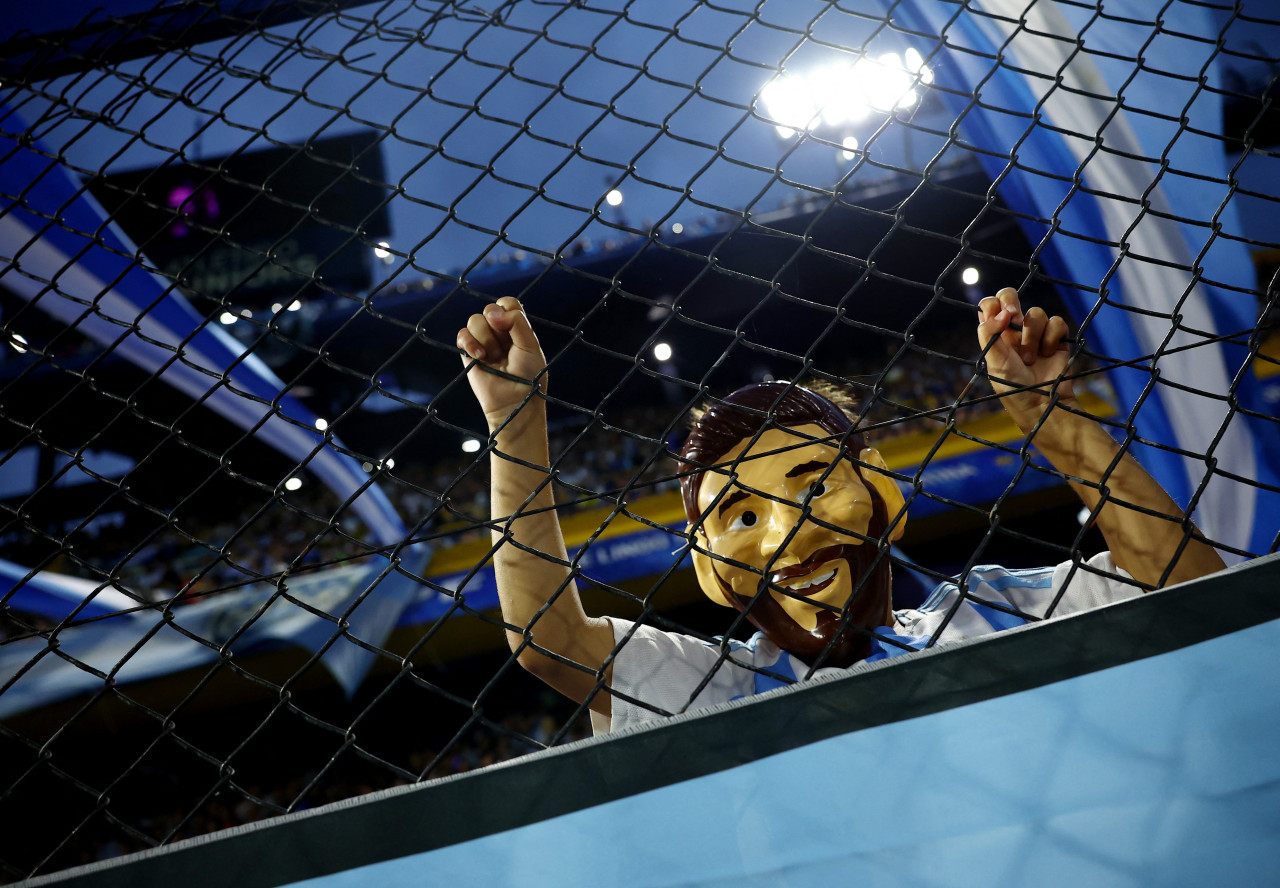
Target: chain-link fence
<point>247,523</point>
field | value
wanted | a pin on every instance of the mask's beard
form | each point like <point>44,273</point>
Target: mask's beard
<point>868,609</point>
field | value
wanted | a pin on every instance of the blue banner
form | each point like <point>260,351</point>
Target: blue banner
<point>608,560</point>
<point>65,257</point>
<point>1135,247</point>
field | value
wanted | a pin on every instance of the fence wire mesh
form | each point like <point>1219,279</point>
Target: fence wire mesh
<point>246,522</point>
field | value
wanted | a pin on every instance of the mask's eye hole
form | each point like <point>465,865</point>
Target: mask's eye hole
<point>817,489</point>
<point>745,520</point>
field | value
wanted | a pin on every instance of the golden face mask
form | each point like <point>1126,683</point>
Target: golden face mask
<point>790,533</point>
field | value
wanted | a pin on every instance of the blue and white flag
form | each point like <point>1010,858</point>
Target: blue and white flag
<point>340,614</point>
<point>56,596</point>
<point>62,253</point>
<point>1135,245</point>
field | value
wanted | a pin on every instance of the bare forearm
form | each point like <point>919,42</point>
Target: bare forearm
<point>1145,529</point>
<point>531,557</point>
<point>535,589</point>
<point>506,370</point>
<point>1027,359</point>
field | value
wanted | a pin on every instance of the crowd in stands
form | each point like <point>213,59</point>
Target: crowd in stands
<point>195,556</point>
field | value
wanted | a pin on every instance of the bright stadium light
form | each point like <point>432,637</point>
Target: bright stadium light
<point>18,343</point>
<point>915,64</point>
<point>322,423</point>
<point>662,351</point>
<point>293,483</point>
<point>227,318</point>
<point>790,102</point>
<point>850,144</point>
<point>886,83</point>
<point>382,251</point>
<point>845,93</point>
<point>838,93</point>
<point>613,198</point>
<point>471,445</point>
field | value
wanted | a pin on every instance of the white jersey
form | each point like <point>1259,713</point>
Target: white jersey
<point>668,673</point>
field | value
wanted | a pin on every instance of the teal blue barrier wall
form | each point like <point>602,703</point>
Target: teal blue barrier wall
<point>1130,745</point>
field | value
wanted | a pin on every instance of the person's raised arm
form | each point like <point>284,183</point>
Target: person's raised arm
<point>538,598</point>
<point>1146,531</point>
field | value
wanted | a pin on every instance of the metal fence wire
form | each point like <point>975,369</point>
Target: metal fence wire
<point>246,528</point>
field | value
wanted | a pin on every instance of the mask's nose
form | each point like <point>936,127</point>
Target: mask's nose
<point>779,522</point>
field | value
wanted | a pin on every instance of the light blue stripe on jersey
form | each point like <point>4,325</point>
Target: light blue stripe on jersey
<point>881,651</point>
<point>999,620</point>
<point>1037,578</point>
<point>781,671</point>
<point>936,597</point>
<point>999,579</point>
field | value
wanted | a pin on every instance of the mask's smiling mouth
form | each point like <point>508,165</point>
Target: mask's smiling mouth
<point>805,588</point>
<point>799,579</point>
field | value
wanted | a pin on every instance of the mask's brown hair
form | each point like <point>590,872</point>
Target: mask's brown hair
<point>720,426</point>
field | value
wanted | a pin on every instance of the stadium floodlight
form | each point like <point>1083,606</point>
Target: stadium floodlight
<point>471,445</point>
<point>293,483</point>
<point>227,318</point>
<point>915,64</point>
<point>840,94</point>
<point>382,251</point>
<point>613,198</point>
<point>791,103</point>
<point>970,276</point>
<point>322,423</point>
<point>662,351</point>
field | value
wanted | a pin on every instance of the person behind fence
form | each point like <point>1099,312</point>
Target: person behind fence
<point>791,517</point>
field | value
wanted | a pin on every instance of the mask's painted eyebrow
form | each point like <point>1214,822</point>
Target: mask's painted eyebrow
<point>806,468</point>
<point>730,500</point>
